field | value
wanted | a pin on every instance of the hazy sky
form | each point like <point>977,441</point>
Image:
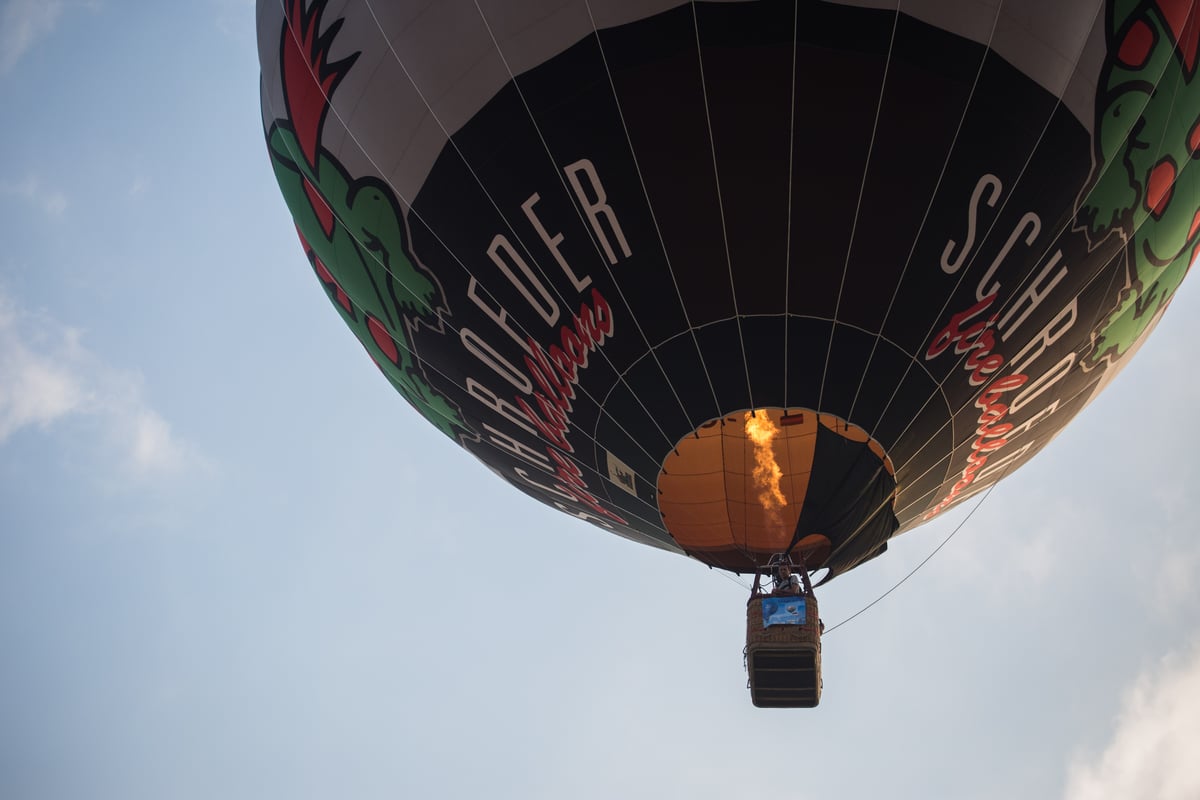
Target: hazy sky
<point>235,564</point>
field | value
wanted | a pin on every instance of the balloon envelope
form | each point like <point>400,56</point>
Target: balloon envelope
<point>732,278</point>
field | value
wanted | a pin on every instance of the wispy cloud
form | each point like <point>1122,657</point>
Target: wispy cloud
<point>153,448</point>
<point>36,385</point>
<point>49,200</point>
<point>47,375</point>
<point>22,24</point>
<point>231,16</point>
<point>982,554</point>
<point>1169,575</point>
<point>1153,752</point>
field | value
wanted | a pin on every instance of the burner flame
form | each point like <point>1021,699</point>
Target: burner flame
<point>767,474</point>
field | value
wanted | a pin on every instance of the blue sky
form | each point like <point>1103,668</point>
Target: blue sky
<point>234,563</point>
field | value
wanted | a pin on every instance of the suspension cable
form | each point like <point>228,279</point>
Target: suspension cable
<point>918,566</point>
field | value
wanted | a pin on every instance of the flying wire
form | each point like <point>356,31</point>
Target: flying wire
<point>924,561</point>
<point>734,578</point>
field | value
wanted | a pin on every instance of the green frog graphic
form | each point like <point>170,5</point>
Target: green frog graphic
<point>1143,186</point>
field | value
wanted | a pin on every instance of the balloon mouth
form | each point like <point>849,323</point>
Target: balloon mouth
<point>745,486</point>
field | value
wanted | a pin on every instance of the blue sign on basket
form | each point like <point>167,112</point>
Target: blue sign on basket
<point>787,610</point>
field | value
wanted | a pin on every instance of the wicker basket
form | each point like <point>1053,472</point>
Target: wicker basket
<point>784,661</point>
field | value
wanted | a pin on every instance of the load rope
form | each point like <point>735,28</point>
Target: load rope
<point>899,583</point>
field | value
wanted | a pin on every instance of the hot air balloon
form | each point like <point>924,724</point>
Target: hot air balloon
<point>742,279</point>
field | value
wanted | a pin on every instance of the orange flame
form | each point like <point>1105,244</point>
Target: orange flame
<point>767,474</point>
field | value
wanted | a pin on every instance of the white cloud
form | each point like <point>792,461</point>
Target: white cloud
<point>46,376</point>
<point>1170,578</point>
<point>1154,750</point>
<point>154,449</point>
<point>37,385</point>
<point>48,200</point>
<point>22,24</point>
